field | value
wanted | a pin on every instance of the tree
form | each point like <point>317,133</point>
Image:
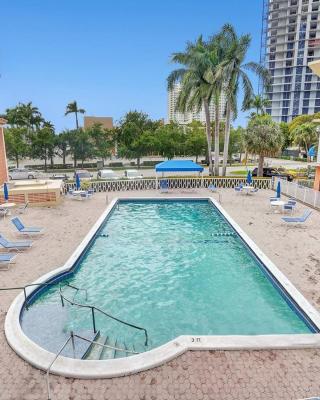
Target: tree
<point>287,137</point>
<point>233,71</point>
<point>16,143</point>
<point>195,140</point>
<point>61,142</point>
<point>305,135</point>
<point>196,89</point>
<point>42,144</point>
<point>24,115</point>
<point>103,140</point>
<point>72,108</point>
<point>302,119</point>
<point>259,104</point>
<point>262,137</point>
<point>132,126</point>
<point>169,140</point>
<point>84,147</point>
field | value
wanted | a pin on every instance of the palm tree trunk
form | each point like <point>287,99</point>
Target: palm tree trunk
<point>17,161</point>
<point>77,123</point>
<point>208,133</point>
<point>226,139</point>
<point>216,136</point>
<point>260,165</point>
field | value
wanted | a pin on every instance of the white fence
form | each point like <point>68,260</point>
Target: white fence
<point>302,193</point>
<point>173,183</point>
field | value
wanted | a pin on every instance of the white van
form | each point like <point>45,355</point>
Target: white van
<point>107,174</point>
<point>132,174</point>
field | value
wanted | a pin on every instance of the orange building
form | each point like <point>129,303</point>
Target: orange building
<point>3,156</point>
<point>106,122</point>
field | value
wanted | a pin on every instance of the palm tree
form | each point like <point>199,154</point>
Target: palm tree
<point>233,71</point>
<point>72,108</point>
<point>263,137</point>
<point>259,104</point>
<point>198,87</point>
<point>305,135</point>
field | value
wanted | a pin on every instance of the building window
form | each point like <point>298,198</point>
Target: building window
<point>285,111</point>
<point>307,86</point>
<point>317,109</point>
<point>287,79</point>
<point>286,95</point>
<point>305,103</point>
<point>284,119</point>
<point>286,103</point>
<point>305,110</point>
<point>317,102</point>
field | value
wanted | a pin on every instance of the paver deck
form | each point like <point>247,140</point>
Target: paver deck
<point>281,374</point>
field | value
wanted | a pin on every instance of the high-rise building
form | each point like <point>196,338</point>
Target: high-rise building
<point>290,40</point>
<point>189,116</point>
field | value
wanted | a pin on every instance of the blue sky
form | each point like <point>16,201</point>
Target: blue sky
<point>110,56</point>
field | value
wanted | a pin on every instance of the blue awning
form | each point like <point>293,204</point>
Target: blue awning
<point>178,166</point>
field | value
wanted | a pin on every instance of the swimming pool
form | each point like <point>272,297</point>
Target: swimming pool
<point>179,268</point>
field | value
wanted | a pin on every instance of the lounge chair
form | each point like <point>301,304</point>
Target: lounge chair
<point>22,208</point>
<point>254,190</point>
<point>212,188</point>
<point>21,245</point>
<point>238,189</point>
<point>298,220</point>
<point>5,260</point>
<point>164,187</point>
<point>25,230</point>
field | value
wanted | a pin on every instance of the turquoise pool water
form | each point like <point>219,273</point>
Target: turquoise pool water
<point>174,268</point>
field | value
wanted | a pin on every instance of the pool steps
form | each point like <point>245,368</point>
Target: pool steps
<point>117,349</point>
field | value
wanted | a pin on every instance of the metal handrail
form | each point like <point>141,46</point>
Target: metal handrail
<point>71,337</point>
<point>25,303</point>
<point>77,289</point>
<point>93,308</point>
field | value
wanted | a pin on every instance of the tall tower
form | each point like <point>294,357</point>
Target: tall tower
<point>3,157</point>
<point>290,40</point>
<point>194,115</point>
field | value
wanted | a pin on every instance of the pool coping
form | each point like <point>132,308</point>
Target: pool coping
<point>92,369</point>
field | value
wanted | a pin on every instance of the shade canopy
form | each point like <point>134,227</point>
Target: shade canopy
<point>178,166</point>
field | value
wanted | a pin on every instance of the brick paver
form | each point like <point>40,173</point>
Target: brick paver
<point>197,375</point>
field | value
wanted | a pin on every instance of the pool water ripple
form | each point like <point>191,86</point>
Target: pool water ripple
<point>175,268</point>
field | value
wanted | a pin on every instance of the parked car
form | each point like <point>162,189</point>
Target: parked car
<point>22,173</point>
<point>268,172</point>
<point>83,174</point>
<point>132,174</point>
<point>63,177</point>
<point>107,174</point>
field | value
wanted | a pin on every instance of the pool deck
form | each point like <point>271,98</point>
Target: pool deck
<point>281,374</point>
